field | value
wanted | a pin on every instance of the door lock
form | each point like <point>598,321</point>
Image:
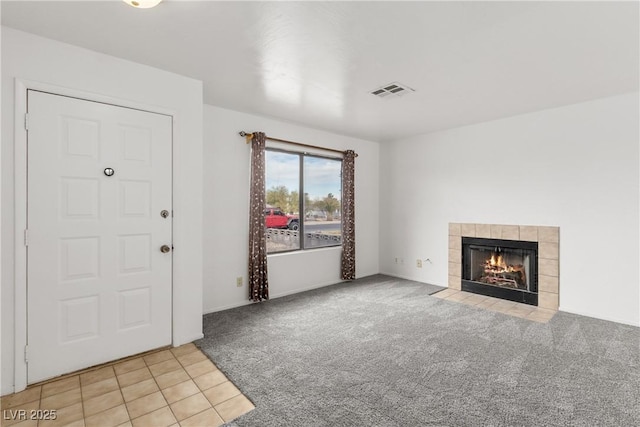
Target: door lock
<point>164,213</point>
<point>165,249</point>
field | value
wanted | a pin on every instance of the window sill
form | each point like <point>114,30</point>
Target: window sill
<point>304,251</point>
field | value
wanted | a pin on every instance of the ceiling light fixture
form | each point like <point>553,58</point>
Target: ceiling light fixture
<point>142,4</point>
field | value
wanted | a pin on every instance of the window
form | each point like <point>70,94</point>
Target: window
<point>303,208</point>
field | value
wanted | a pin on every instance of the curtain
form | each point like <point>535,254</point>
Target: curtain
<point>258,280</point>
<point>348,268</point>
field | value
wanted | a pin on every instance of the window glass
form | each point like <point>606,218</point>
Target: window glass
<point>321,208</point>
<point>322,202</point>
<point>282,182</point>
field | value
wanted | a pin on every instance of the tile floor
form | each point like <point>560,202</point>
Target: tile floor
<point>511,308</point>
<point>169,387</point>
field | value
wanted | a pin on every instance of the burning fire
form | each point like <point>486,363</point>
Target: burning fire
<point>497,264</point>
<point>497,261</point>
<point>498,272</point>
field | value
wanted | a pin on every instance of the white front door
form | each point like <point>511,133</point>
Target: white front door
<point>99,286</point>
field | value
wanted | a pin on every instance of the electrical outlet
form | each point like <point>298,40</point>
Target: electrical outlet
<point>239,281</point>
<point>419,263</point>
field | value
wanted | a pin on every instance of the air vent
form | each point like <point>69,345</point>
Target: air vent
<point>394,88</point>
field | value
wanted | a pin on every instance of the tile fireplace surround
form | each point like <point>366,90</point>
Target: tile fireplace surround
<point>548,239</point>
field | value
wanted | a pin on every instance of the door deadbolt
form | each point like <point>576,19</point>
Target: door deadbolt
<point>165,249</point>
<point>164,213</point>
<point>109,171</point>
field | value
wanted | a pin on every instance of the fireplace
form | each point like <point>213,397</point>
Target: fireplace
<point>543,283</point>
<point>506,269</point>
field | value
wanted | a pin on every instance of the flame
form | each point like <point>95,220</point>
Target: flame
<point>495,269</point>
<point>497,261</point>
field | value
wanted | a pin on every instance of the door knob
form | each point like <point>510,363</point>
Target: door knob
<point>164,213</point>
<point>165,249</point>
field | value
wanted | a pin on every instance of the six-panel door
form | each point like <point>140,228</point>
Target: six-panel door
<point>99,287</point>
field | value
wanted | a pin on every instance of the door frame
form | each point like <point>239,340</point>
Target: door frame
<point>22,87</point>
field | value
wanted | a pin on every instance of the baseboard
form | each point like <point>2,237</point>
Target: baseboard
<point>578,312</point>
<point>226,307</point>
<point>597,316</point>
<point>363,275</point>
<point>399,276</point>
<point>278,295</point>
<point>272,296</point>
<point>195,338</point>
<point>321,285</point>
<point>310,288</point>
<point>7,390</point>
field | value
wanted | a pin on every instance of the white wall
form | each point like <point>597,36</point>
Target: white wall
<point>226,194</point>
<point>29,57</point>
<point>575,167</point>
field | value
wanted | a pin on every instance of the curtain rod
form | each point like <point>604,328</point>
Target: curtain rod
<point>248,137</point>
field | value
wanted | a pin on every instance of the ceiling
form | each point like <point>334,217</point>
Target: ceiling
<point>314,63</point>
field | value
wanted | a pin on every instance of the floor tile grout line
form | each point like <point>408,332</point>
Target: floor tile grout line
<point>226,400</point>
<point>124,402</point>
<point>192,379</point>
<point>228,379</point>
<point>96,367</point>
<point>153,377</point>
<point>202,391</point>
<point>84,415</point>
<point>23,403</point>
<point>160,391</point>
<point>40,406</point>
<point>193,415</point>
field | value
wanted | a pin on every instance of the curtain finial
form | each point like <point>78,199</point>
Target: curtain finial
<point>248,136</point>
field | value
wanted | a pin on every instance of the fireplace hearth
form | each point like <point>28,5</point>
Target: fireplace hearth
<point>499,268</point>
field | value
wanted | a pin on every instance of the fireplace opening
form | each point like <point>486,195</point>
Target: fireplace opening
<point>504,269</point>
